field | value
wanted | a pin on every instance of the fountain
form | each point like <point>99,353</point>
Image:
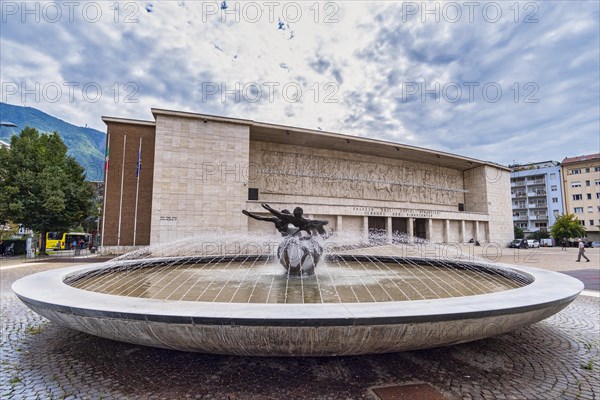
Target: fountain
<point>335,295</point>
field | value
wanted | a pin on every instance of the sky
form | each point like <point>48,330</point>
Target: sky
<point>501,81</point>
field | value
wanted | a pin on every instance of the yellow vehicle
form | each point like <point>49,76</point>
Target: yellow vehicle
<point>64,240</point>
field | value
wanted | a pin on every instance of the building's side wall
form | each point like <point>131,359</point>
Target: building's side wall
<point>200,183</point>
<point>497,187</point>
<point>554,207</point>
<point>125,205</point>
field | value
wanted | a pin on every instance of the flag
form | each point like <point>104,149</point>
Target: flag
<point>107,155</point>
<point>139,161</point>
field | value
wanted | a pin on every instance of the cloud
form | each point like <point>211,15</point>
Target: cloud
<point>382,70</point>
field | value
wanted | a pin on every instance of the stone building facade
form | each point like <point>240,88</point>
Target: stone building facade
<point>199,171</point>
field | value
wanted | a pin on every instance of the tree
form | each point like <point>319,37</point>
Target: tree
<point>519,234</point>
<point>40,186</point>
<point>541,234</point>
<point>565,227</point>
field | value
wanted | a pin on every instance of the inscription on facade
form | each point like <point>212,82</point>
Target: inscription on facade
<point>394,212</point>
<point>303,174</point>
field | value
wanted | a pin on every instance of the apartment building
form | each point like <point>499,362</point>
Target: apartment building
<point>536,193</point>
<point>581,182</point>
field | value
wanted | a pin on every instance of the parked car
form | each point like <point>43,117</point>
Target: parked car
<point>547,243</point>
<point>585,243</point>
<point>533,243</point>
<point>515,243</point>
<point>595,244</point>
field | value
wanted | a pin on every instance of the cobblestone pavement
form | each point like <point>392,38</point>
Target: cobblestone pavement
<point>558,358</point>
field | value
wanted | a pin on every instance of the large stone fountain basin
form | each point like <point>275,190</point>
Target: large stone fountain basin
<point>296,329</point>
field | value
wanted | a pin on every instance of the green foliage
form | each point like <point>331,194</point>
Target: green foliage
<point>567,226</point>
<point>541,234</point>
<point>40,186</point>
<point>519,234</point>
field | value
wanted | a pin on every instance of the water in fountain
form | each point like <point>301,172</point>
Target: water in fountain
<point>244,268</point>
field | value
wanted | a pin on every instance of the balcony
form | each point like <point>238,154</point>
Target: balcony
<point>519,217</point>
<point>517,184</point>
<point>536,182</point>
<point>538,217</point>
<point>539,193</point>
<point>537,205</point>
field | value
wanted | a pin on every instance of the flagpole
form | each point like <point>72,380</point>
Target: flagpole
<point>121,196</point>
<point>137,190</point>
<point>106,161</point>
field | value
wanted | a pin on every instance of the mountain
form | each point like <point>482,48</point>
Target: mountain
<point>85,144</point>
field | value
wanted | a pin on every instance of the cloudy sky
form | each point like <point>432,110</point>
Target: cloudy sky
<point>498,81</point>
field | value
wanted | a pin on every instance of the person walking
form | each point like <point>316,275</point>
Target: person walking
<point>582,252</point>
<point>564,244</point>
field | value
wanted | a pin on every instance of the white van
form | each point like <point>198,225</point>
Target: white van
<point>532,243</point>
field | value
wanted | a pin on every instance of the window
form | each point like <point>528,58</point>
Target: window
<point>556,213</point>
<point>597,169</point>
<point>587,170</point>
<point>553,188</point>
<point>541,225</point>
<point>598,195</point>
<point>587,183</point>
<point>252,193</point>
<point>578,210</point>
<point>552,176</point>
<point>581,223</point>
<point>589,196</point>
<point>577,197</point>
<point>575,184</point>
<point>591,222</point>
<point>590,209</point>
<point>597,182</point>
<point>575,171</point>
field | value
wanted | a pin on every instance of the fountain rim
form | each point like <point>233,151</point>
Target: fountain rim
<point>48,290</point>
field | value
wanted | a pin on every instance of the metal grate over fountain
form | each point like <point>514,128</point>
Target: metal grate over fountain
<point>341,278</point>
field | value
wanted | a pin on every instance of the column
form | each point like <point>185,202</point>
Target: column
<point>476,230</point>
<point>338,223</point>
<point>366,227</point>
<point>447,231</point>
<point>388,228</point>
<point>462,231</point>
<point>410,229</point>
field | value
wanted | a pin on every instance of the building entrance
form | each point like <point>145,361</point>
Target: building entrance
<point>420,228</point>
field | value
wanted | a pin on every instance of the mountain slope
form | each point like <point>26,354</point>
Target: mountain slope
<point>85,144</point>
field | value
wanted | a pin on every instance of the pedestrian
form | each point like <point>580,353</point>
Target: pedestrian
<point>564,244</point>
<point>74,244</point>
<point>2,247</point>
<point>582,252</point>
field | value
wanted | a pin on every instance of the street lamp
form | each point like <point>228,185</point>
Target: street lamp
<point>6,123</point>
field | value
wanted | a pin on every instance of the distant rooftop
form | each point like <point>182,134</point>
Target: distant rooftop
<point>534,165</point>
<point>588,157</point>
